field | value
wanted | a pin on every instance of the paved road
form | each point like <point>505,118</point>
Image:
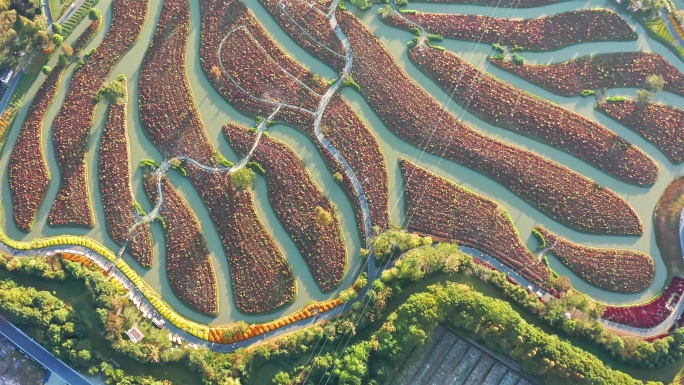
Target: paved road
<point>8,93</point>
<point>41,355</point>
<point>48,14</point>
<point>678,39</point>
<point>73,9</point>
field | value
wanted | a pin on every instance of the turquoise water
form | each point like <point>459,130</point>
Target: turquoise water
<point>216,112</point>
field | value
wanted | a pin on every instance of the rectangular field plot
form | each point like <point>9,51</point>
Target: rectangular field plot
<point>450,359</point>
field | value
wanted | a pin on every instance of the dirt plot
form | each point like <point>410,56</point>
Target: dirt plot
<point>17,368</point>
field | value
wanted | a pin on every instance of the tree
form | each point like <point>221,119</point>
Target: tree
<point>113,91</point>
<point>337,177</point>
<point>67,49</point>
<point>235,329</point>
<point>243,179</point>
<point>47,70</point>
<point>94,14</point>
<point>56,28</point>
<point>362,4</point>
<point>655,83</point>
<point>57,38</point>
<point>562,284</point>
<point>215,72</point>
<point>644,97</point>
<point>323,217</point>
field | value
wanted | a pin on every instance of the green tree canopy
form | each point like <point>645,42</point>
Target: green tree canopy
<point>243,179</point>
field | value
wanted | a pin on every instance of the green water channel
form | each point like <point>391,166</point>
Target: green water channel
<point>216,112</point>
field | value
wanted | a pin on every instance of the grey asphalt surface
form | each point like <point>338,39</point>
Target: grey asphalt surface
<point>38,353</point>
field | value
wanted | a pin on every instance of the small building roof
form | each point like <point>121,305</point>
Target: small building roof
<point>135,334</point>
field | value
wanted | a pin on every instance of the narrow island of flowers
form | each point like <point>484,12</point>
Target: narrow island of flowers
<point>309,216</point>
<point>448,212</point>
<point>660,124</point>
<point>188,263</point>
<point>540,34</point>
<point>28,171</point>
<point>519,111</point>
<point>114,175</point>
<point>666,216</point>
<point>87,35</point>
<point>415,116</point>
<point>609,70</point>
<point>649,314</point>
<point>260,276</point>
<point>71,127</point>
<point>248,68</point>
<point>623,271</point>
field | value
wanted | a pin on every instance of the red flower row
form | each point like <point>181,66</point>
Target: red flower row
<point>261,278</point>
<point>540,34</point>
<point>188,264</point>
<point>72,124</point>
<point>625,69</point>
<point>87,35</point>
<point>310,29</point>
<point>294,196</point>
<point>342,127</point>
<point>624,271</point>
<point>415,116</point>
<point>660,124</point>
<point>250,66</point>
<point>28,171</point>
<point>650,314</point>
<point>529,115</point>
<point>114,174</point>
<point>446,211</point>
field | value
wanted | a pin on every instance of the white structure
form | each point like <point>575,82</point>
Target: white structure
<point>135,334</point>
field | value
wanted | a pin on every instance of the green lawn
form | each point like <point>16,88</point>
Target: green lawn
<point>56,9</point>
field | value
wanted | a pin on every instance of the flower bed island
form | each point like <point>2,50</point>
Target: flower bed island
<point>412,114</point>
<point>623,271</point>
<point>624,69</point>
<point>660,124</point>
<point>295,198</point>
<point>540,34</point>
<point>340,125</point>
<point>448,212</point>
<point>649,314</point>
<point>188,264</point>
<point>114,175</point>
<point>529,115</point>
<point>72,124</point>
<point>28,171</point>
<point>260,276</point>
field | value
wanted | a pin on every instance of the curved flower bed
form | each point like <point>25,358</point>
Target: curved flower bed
<point>529,115</point>
<point>114,174</point>
<point>294,196</point>
<point>540,34</point>
<point>412,114</point>
<point>188,264</point>
<point>87,35</point>
<point>248,64</point>
<point>260,276</point>
<point>72,124</point>
<point>342,127</point>
<point>660,124</point>
<point>28,171</point>
<point>296,17</point>
<point>624,69</point>
<point>624,271</point>
<point>649,314</point>
<point>446,211</point>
